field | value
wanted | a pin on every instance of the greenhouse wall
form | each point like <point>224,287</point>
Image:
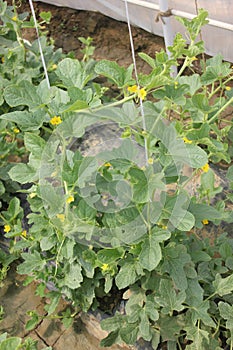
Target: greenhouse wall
<point>217,39</point>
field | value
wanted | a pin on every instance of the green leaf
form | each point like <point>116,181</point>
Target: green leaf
<point>34,144</point>
<point>175,258</point>
<point>144,326</point>
<point>119,75</point>
<point>48,242</point>
<point>33,261</point>
<point>113,323</point>
<point>31,324</point>
<point>199,311</point>
<point>23,94</point>
<point>76,106</point>
<point>53,198</point>
<point>168,299</point>
<point>129,333</point>
<point>198,336</point>
<point>72,73</point>
<point>215,69</point>
<point>3,336</point>
<point>151,254</point>
<point>46,16</point>
<point>193,81</point>
<point>84,211</point>
<point>23,173</point>
<point>55,298</point>
<point>108,256</point>
<point>127,275</point>
<point>170,327</point>
<point>139,183</point>
<point>13,210</point>
<point>155,339</point>
<point>73,277</point>
<point>226,312</point>
<point>149,60</point>
<point>12,343</point>
<point>203,211</point>
<point>197,157</point>
<point>223,286</point>
<point>25,120</point>
<point>111,339</point>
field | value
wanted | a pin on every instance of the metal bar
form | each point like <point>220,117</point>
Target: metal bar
<point>183,14</point>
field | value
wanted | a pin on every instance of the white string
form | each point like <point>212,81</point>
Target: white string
<point>136,77</point>
<point>40,48</point>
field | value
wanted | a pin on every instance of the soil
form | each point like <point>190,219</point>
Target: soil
<point>67,25</point>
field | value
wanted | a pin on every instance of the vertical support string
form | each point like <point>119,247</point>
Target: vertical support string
<point>136,77</point>
<point>39,43</point>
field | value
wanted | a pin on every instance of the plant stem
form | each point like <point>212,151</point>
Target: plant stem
<point>220,110</point>
<point>57,256</point>
<point>114,104</point>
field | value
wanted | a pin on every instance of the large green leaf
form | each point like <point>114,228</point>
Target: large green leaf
<point>175,258</point>
<point>168,299</point>
<point>140,185</point>
<point>223,286</point>
<point>33,261</point>
<point>199,311</point>
<point>73,277</point>
<point>129,333</point>
<point>193,81</point>
<point>127,275</point>
<point>203,211</point>
<point>119,75</point>
<point>26,121</point>
<point>151,254</point>
<point>72,73</point>
<point>23,94</point>
<point>107,256</point>
<point>198,336</point>
<point>12,343</point>
<point>226,312</point>
<point>34,144</point>
<point>23,173</point>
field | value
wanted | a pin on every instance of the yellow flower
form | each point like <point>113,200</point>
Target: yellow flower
<point>108,164</point>
<point>70,199</point>
<point>228,88</point>
<point>150,161</point>
<point>132,89</point>
<point>205,168</point>
<point>186,140</point>
<point>205,222</point>
<point>3,59</point>
<point>32,195</point>
<point>162,226</point>
<point>61,217</point>
<point>24,233</point>
<point>54,66</point>
<point>14,18</point>
<point>16,130</point>
<point>55,120</point>
<point>7,228</point>
<point>194,58</point>
<point>104,267</point>
<point>142,93</point>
